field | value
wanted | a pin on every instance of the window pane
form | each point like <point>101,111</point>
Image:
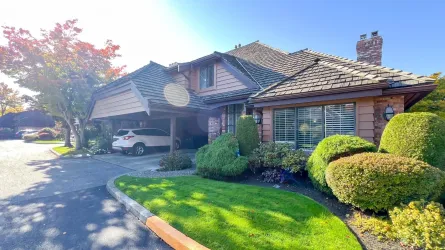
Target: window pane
<point>284,125</point>
<point>234,112</point>
<point>310,127</point>
<point>203,77</point>
<point>139,132</point>
<point>340,119</point>
<point>210,75</point>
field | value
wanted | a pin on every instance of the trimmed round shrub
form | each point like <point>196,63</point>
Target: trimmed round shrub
<point>175,161</point>
<point>416,135</point>
<point>219,160</point>
<point>247,134</point>
<point>377,181</point>
<point>420,224</point>
<point>330,149</point>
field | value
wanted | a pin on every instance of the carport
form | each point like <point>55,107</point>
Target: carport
<point>149,97</point>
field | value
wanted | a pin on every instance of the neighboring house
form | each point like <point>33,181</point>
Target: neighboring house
<point>299,97</point>
<point>32,120</point>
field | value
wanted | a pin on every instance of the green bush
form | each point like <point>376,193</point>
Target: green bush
<point>420,224</point>
<point>175,161</point>
<point>416,135</point>
<point>269,155</point>
<point>30,137</point>
<point>295,161</point>
<point>219,160</point>
<point>247,134</point>
<point>377,181</point>
<point>91,132</point>
<point>330,149</point>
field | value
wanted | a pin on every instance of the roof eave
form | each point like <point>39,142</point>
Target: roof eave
<point>381,85</point>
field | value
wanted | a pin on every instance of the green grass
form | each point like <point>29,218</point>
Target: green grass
<point>65,151</point>
<point>223,215</point>
<point>49,142</point>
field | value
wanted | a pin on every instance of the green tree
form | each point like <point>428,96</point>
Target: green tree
<point>10,100</point>
<point>435,101</point>
<point>63,69</point>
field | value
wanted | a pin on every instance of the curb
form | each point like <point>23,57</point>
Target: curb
<point>54,152</point>
<point>162,229</point>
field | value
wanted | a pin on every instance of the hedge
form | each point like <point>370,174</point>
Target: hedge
<point>330,149</point>
<point>247,134</point>
<point>378,181</point>
<point>416,135</point>
<point>219,159</point>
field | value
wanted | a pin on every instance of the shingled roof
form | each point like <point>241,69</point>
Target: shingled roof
<point>150,81</point>
<point>304,71</point>
<point>274,74</point>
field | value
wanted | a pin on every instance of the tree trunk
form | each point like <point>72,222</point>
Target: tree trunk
<point>82,125</point>
<point>68,137</point>
<point>76,134</point>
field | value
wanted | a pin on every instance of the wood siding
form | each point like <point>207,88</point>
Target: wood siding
<point>180,79</point>
<point>224,81</point>
<point>119,104</point>
<point>267,124</point>
<point>365,118</point>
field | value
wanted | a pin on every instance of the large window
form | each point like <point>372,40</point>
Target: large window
<point>306,127</point>
<point>206,76</point>
<point>233,113</point>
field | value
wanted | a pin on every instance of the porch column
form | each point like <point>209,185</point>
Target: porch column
<point>172,134</point>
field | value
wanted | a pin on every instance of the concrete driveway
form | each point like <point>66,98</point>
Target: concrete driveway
<point>148,161</point>
<point>49,203</point>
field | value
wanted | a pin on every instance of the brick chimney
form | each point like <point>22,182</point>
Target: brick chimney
<point>370,50</point>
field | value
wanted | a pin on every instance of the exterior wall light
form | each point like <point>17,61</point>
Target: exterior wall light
<point>257,117</point>
<point>389,113</point>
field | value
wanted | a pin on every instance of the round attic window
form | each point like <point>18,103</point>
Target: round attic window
<point>176,95</point>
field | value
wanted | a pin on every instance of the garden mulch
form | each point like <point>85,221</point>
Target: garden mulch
<point>344,212</point>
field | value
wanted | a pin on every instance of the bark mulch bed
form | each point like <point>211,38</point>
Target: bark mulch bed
<point>343,211</point>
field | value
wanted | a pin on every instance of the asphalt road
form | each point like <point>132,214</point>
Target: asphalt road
<point>49,203</point>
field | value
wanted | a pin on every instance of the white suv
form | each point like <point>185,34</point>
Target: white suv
<point>137,140</point>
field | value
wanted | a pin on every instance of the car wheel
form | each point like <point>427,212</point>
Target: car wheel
<point>138,149</point>
<point>177,145</point>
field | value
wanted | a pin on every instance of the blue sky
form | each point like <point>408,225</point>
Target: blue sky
<point>173,30</point>
<point>413,31</point>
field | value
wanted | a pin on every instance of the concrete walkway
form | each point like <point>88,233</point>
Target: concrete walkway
<point>148,161</point>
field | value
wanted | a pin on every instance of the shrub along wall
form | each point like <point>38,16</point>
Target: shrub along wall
<point>330,149</point>
<point>377,181</point>
<point>247,134</point>
<point>416,135</point>
<point>219,159</point>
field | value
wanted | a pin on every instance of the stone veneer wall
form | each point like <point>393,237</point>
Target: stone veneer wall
<point>214,128</point>
<point>380,103</point>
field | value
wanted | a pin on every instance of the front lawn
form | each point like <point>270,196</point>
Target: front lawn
<point>65,151</point>
<point>223,215</point>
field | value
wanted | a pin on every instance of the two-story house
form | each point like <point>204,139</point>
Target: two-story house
<point>299,98</point>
